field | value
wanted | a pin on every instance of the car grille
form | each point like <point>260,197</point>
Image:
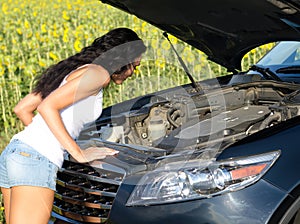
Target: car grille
<point>84,194</point>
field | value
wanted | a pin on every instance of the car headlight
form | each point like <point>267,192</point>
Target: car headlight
<point>200,179</point>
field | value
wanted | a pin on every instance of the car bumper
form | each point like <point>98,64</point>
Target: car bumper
<point>255,204</point>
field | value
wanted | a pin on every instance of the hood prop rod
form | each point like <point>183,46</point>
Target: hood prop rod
<point>194,84</point>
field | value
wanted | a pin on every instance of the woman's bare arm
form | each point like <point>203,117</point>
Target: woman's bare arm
<point>87,84</point>
<point>26,107</point>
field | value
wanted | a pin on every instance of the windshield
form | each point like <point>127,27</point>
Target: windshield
<point>284,53</point>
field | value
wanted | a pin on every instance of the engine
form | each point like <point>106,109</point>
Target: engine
<point>186,119</point>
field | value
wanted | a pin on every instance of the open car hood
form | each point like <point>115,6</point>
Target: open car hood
<point>223,29</point>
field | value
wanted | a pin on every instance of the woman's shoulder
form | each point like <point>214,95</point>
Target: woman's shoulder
<point>97,69</point>
<point>91,66</point>
<point>88,68</point>
<point>95,66</point>
<point>95,75</point>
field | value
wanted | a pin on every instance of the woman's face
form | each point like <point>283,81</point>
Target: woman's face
<point>120,78</point>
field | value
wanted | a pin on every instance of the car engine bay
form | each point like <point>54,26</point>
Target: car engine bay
<point>183,119</point>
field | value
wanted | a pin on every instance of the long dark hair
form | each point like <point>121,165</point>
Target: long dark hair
<point>114,51</point>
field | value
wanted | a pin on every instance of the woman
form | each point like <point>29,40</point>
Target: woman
<point>66,96</point>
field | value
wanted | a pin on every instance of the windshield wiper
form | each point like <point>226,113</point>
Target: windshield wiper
<point>266,72</point>
<point>194,84</point>
<point>289,69</point>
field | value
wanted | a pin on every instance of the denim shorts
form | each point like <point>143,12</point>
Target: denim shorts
<point>21,165</point>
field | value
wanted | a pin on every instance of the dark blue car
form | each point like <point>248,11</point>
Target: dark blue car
<point>222,150</point>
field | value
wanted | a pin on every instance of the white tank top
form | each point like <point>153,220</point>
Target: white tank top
<point>39,136</point>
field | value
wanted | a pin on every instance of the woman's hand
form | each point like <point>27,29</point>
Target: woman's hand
<point>93,153</point>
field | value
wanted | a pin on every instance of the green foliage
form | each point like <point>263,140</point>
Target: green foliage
<point>1,210</point>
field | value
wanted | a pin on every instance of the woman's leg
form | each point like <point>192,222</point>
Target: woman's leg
<point>6,199</point>
<point>30,205</point>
